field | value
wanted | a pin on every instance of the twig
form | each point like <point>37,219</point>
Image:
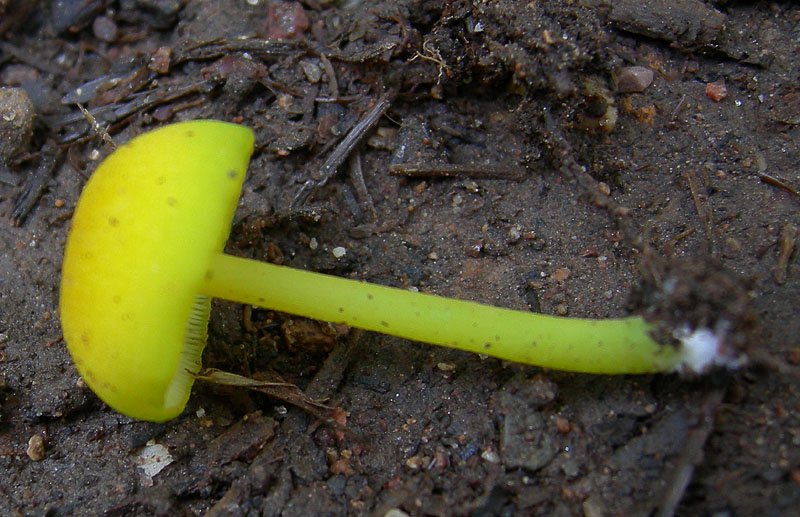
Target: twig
<point>675,111</point>
<point>8,178</point>
<point>669,247</point>
<point>29,59</point>
<point>34,189</point>
<point>630,231</point>
<point>360,186</point>
<point>96,127</point>
<point>448,170</point>
<point>702,211</point>
<point>690,456</point>
<point>343,150</point>
<point>333,86</point>
<point>787,243</point>
<point>775,182</point>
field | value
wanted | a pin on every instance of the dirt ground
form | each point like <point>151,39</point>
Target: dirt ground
<point>518,154</point>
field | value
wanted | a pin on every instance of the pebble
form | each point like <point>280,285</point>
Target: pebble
<point>395,512</point>
<point>35,449</point>
<point>593,507</point>
<point>634,79</point>
<point>490,456</point>
<point>105,29</point>
<point>312,72</point>
<point>716,91</point>
<point>286,20</point>
<point>338,252</point>
<point>160,60</point>
<point>16,122</point>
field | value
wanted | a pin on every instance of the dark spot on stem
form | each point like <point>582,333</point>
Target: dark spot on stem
<point>384,324</point>
<point>113,221</point>
<point>341,309</point>
<point>210,275</point>
<point>232,174</point>
<point>369,296</point>
<point>189,134</point>
<point>487,346</point>
<point>171,201</point>
<point>160,180</point>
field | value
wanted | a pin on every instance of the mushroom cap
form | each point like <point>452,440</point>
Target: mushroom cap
<point>145,226</point>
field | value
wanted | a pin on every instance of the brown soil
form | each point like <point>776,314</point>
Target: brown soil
<point>596,199</point>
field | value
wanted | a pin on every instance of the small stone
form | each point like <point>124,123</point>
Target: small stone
<point>312,72</point>
<point>287,20</point>
<point>105,29</point>
<point>338,252</point>
<point>160,60</point>
<point>35,449</point>
<point>16,122</point>
<point>416,462</point>
<point>562,424</point>
<point>490,456</point>
<point>716,91</point>
<point>571,468</point>
<point>593,507</point>
<point>395,512</point>
<point>634,79</point>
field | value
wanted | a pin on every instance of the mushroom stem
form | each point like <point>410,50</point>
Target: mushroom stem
<point>609,346</point>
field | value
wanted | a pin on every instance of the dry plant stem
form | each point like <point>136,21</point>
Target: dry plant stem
<point>691,455</point>
<point>345,147</point>
<point>360,186</point>
<point>446,170</point>
<point>583,345</point>
<point>34,187</point>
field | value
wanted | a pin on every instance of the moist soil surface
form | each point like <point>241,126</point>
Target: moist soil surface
<point>569,158</point>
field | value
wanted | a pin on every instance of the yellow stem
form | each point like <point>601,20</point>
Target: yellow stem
<point>610,346</point>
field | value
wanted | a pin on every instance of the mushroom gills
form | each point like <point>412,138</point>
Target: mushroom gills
<point>190,362</point>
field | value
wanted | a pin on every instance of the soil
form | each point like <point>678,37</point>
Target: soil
<point>550,176</point>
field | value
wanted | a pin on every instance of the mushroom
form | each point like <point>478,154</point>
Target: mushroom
<point>145,256</point>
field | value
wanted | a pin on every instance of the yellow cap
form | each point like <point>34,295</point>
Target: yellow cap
<point>141,238</point>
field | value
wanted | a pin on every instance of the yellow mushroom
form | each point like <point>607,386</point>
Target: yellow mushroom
<point>145,256</point>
